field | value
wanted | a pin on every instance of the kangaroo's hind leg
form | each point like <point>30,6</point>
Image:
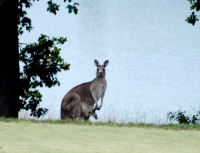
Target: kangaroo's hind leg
<point>70,107</point>
<point>76,112</point>
<point>65,115</point>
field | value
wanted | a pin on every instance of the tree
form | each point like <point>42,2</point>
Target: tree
<point>195,5</point>
<point>41,60</point>
<point>9,59</point>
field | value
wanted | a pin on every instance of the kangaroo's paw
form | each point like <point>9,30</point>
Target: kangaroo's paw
<point>96,107</point>
<point>99,108</point>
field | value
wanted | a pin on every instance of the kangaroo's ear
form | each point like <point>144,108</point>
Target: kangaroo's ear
<point>96,62</point>
<point>105,63</point>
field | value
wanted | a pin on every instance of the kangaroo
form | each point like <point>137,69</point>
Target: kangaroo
<point>81,100</point>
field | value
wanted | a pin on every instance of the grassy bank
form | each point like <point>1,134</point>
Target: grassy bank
<point>66,136</point>
<point>114,124</point>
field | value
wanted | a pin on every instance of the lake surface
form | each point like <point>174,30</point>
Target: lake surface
<point>154,56</point>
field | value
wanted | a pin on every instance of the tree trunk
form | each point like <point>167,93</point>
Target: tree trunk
<point>9,59</point>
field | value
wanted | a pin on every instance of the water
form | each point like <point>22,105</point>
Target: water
<point>154,56</point>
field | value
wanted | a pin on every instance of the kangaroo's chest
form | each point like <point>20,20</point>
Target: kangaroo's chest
<point>100,89</point>
<point>97,88</point>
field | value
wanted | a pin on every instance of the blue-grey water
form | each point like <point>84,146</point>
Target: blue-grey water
<point>154,56</point>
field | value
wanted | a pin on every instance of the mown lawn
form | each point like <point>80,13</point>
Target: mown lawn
<point>54,137</point>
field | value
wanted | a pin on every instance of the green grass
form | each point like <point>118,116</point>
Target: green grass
<point>141,125</point>
<point>26,136</point>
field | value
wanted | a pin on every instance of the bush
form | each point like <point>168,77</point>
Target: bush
<point>182,118</point>
<point>41,62</point>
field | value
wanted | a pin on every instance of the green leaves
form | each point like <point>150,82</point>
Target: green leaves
<point>195,5</point>
<point>73,8</point>
<point>182,118</point>
<point>25,22</point>
<point>52,7</point>
<point>42,61</point>
<point>192,19</point>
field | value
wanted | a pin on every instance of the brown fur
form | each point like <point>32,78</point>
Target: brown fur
<point>79,102</point>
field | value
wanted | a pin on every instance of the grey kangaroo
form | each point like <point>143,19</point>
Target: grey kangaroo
<point>81,101</point>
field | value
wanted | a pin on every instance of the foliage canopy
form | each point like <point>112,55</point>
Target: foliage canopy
<point>195,6</point>
<point>41,60</point>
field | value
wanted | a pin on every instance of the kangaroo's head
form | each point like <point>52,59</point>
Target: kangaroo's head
<point>93,114</point>
<point>101,72</point>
